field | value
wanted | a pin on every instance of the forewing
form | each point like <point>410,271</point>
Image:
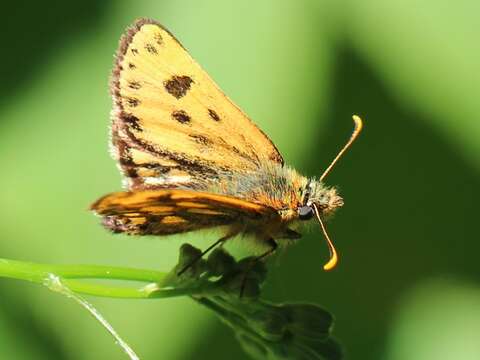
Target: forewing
<point>172,125</point>
<point>169,211</point>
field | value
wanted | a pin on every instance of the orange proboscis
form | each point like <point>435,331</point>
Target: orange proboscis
<point>332,262</point>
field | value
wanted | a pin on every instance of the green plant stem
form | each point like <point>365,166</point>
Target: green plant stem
<point>69,274</point>
<point>37,272</point>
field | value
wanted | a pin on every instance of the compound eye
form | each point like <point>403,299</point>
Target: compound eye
<point>305,213</point>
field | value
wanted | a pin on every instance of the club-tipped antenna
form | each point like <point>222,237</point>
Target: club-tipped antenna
<point>332,262</point>
<point>356,132</point>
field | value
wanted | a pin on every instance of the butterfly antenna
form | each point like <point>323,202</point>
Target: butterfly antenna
<point>332,262</point>
<point>356,132</point>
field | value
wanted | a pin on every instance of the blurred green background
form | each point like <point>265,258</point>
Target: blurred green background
<point>407,286</point>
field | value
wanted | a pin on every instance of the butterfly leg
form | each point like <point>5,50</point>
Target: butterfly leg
<point>273,247</point>
<point>206,251</point>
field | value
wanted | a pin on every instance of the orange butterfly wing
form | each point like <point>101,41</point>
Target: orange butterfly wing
<point>169,211</point>
<point>172,125</point>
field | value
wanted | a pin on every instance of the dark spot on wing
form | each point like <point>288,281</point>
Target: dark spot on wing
<point>200,139</point>
<point>151,49</point>
<point>158,39</point>
<point>178,86</point>
<point>181,116</point>
<point>213,114</point>
<point>131,66</point>
<point>134,51</point>
<point>160,169</point>
<point>131,173</point>
<point>276,157</point>
<point>132,102</point>
<point>131,121</point>
<point>134,85</point>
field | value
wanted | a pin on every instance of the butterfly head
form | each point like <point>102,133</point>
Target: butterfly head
<point>320,201</point>
<point>318,198</point>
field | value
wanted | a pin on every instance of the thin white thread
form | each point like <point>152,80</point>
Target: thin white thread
<point>54,283</point>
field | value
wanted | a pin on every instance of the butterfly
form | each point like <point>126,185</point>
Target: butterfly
<point>191,159</point>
